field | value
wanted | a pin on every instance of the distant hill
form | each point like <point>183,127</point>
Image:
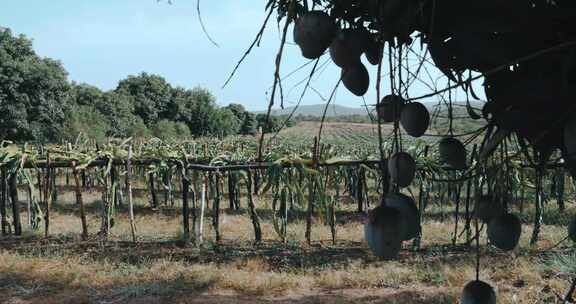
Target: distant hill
<point>340,113</point>
<point>335,110</point>
<point>317,110</point>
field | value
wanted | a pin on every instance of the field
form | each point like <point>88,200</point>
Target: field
<point>63,269</point>
<point>161,268</point>
<point>426,153</point>
<point>337,132</point>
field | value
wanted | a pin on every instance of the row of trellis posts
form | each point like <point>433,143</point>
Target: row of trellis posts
<point>254,171</point>
<point>46,184</point>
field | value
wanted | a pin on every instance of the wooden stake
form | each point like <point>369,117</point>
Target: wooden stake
<point>457,196</point>
<point>256,182</point>
<point>106,201</point>
<point>231,190</point>
<point>15,204</point>
<point>422,200</point>
<point>310,210</point>
<point>360,189</point>
<point>333,211</point>
<point>40,183</point>
<point>470,183</point>
<point>193,198</point>
<point>29,205</point>
<point>202,208</point>
<point>311,194</point>
<point>84,184</point>
<point>129,188</point>
<point>47,197</point>
<point>53,193</point>
<point>3,199</point>
<point>216,208</point>
<point>80,201</point>
<point>253,214</point>
<point>185,210</point>
<point>153,191</point>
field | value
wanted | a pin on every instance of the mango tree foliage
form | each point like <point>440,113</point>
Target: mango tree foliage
<point>82,119</point>
<point>151,94</point>
<point>33,92</point>
<point>246,119</point>
<point>39,104</point>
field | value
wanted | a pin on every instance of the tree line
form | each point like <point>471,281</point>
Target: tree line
<point>39,104</point>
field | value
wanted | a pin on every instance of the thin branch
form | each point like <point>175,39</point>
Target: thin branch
<point>326,109</point>
<point>202,24</point>
<point>299,101</point>
<point>254,43</point>
<point>276,76</point>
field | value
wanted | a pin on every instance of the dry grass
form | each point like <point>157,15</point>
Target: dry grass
<point>63,269</point>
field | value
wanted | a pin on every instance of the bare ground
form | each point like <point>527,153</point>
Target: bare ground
<point>160,269</point>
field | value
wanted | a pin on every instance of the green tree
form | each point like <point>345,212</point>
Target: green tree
<point>197,108</point>
<point>118,108</point>
<point>138,129</point>
<point>225,123</point>
<point>151,95</point>
<point>38,103</point>
<point>237,109</point>
<point>85,120</point>
<point>271,125</point>
<point>248,126</point>
<point>33,92</point>
<point>170,130</point>
<point>246,119</point>
<point>85,94</point>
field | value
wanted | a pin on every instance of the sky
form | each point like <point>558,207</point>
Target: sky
<point>100,42</point>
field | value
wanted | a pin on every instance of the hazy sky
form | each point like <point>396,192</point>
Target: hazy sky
<point>102,41</point>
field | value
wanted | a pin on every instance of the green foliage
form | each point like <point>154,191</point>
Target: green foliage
<point>138,129</point>
<point>197,108</point>
<point>116,111</point>
<point>85,94</point>
<point>39,104</point>
<point>247,120</point>
<point>152,96</point>
<point>248,126</point>
<point>170,130</point>
<point>33,92</point>
<point>119,112</point>
<point>87,121</point>
<point>226,123</point>
<point>273,124</point>
<point>237,109</point>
